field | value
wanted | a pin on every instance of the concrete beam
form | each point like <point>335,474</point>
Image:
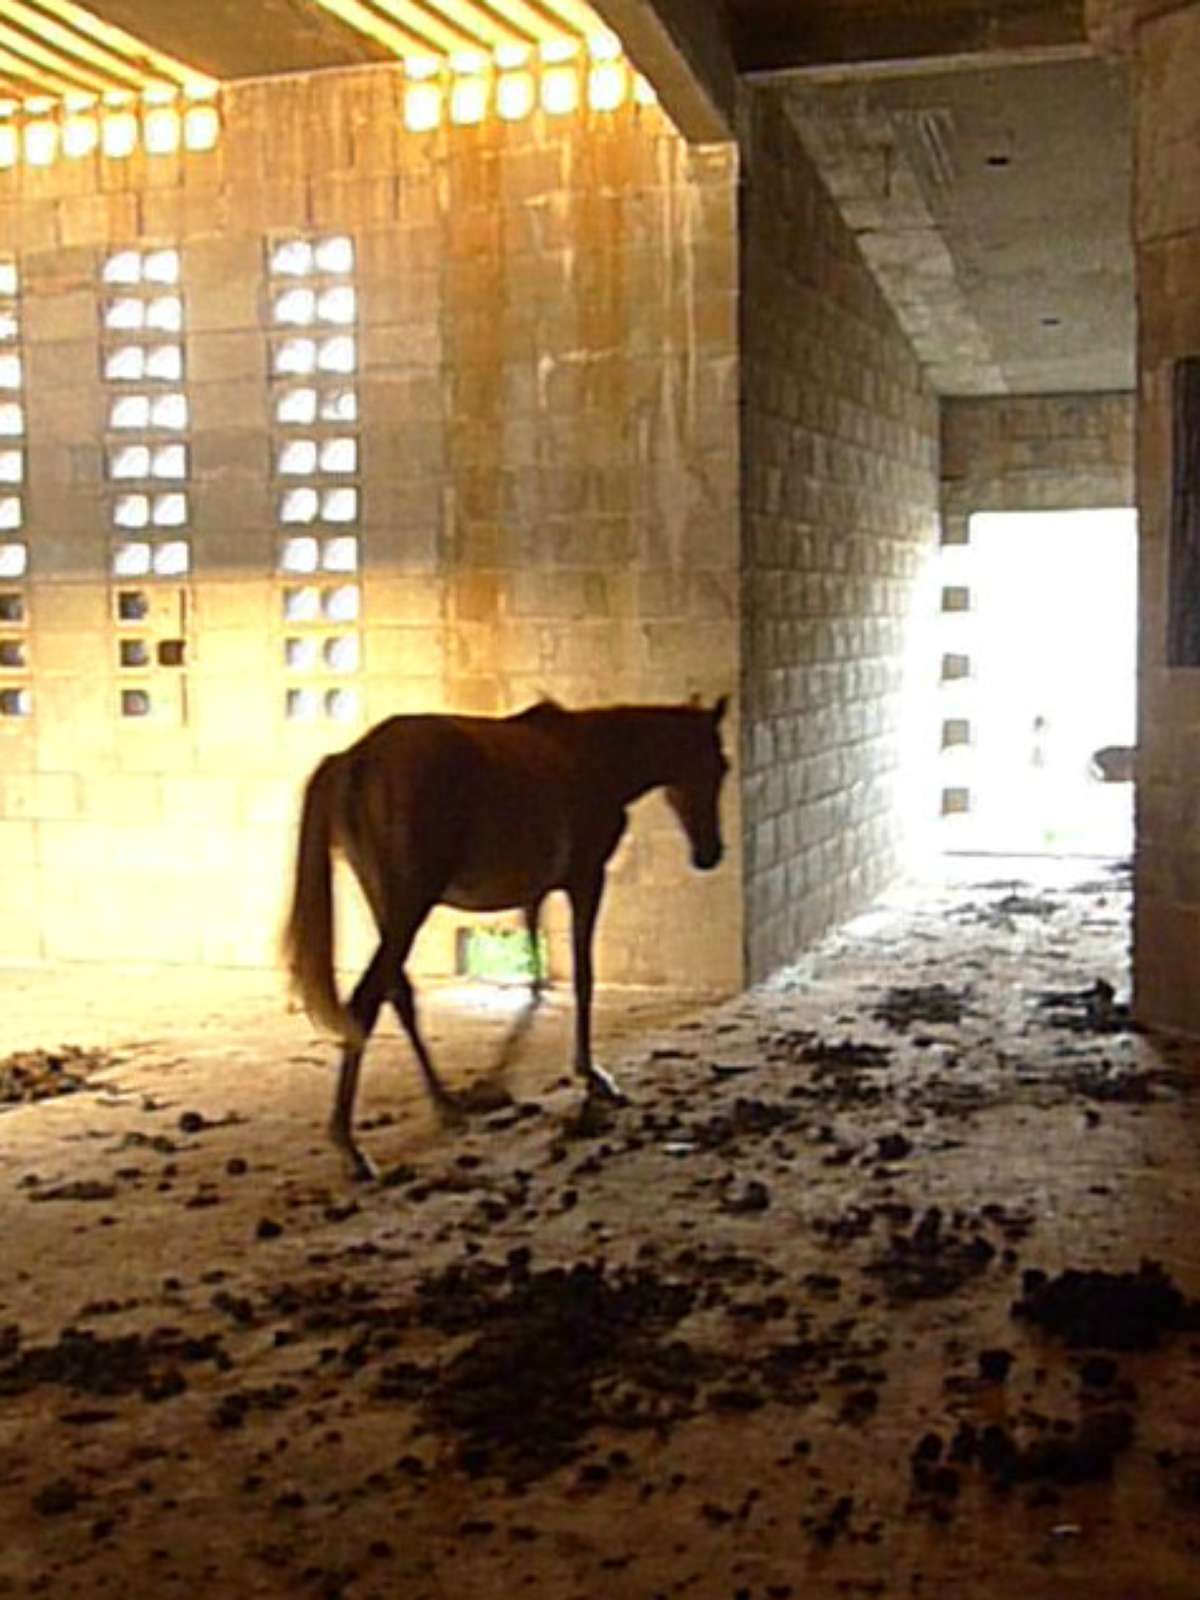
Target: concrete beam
<point>835,37</point>
<point>683,49</point>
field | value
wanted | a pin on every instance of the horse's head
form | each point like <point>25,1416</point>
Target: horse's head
<point>695,792</point>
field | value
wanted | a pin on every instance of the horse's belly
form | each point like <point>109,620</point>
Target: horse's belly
<point>495,893</point>
<point>498,874</point>
<point>515,849</point>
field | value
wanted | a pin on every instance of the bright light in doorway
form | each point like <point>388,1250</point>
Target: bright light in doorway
<point>1038,670</point>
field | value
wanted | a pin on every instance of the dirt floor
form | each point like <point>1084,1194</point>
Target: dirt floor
<point>886,1283</point>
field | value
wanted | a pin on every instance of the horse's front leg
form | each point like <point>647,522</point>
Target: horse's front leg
<point>341,1124</point>
<point>585,907</point>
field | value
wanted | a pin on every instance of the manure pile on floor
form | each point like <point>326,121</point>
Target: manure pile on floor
<point>30,1075</point>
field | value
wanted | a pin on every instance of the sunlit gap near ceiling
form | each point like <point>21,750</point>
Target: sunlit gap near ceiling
<point>465,61</point>
<point>72,84</point>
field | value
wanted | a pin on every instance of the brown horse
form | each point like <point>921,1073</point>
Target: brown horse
<point>485,814</point>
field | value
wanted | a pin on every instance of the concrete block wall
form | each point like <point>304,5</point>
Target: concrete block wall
<point>1041,452</point>
<point>840,486</point>
<point>1167,236</point>
<point>547,426</point>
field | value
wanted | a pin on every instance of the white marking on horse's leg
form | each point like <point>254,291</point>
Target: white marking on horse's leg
<point>604,1086</point>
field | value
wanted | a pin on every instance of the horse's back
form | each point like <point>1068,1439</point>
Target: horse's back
<point>481,810</point>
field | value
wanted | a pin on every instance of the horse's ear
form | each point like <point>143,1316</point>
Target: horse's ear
<point>719,710</point>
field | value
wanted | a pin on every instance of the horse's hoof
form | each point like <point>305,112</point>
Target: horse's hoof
<point>358,1164</point>
<point>451,1112</point>
<point>605,1087</point>
<point>594,1117</point>
<point>361,1168</point>
<point>484,1097</point>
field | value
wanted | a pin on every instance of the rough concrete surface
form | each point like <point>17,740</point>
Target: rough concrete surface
<point>883,1284</point>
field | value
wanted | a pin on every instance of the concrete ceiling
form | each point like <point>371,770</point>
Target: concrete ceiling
<point>981,152</point>
<point>979,149</point>
<point>231,39</point>
<point>238,39</point>
<point>785,35</point>
<point>993,206</point>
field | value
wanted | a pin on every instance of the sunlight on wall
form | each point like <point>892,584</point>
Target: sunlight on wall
<point>162,121</point>
<point>560,77</point>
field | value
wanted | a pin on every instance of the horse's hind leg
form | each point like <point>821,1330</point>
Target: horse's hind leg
<point>492,1094</point>
<point>364,1006</point>
<point>404,1001</point>
<point>538,977</point>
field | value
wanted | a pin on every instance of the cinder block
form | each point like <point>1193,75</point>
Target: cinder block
<point>414,598</point>
<point>226,356</point>
<point>63,315</point>
<point>242,605</point>
<point>121,797</point>
<point>478,696</point>
<point>234,545</point>
<point>37,223</point>
<point>206,800</point>
<point>413,652</point>
<point>233,713</point>
<point>40,795</point>
<point>392,293</point>
<point>73,724</point>
<point>268,802</point>
<point>232,474</point>
<point>474,597</point>
<point>20,926</point>
<point>224,284</point>
<point>563,596</point>
<point>149,746</point>
<point>393,695</point>
<point>63,396</point>
<point>352,203</point>
<point>395,339</point>
<point>83,653</point>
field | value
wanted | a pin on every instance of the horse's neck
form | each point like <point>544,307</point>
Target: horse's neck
<point>636,745</point>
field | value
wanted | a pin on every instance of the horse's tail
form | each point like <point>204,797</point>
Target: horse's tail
<point>308,936</point>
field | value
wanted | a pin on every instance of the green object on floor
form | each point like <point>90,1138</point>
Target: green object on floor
<point>501,955</point>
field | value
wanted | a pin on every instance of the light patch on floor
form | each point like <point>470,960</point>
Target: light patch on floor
<point>723,1342</point>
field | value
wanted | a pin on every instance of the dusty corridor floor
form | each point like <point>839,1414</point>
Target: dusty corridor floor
<point>884,1284</point>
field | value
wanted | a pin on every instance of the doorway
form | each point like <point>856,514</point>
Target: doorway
<point>1039,618</point>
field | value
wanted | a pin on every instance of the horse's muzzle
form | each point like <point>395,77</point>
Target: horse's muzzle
<point>708,857</point>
